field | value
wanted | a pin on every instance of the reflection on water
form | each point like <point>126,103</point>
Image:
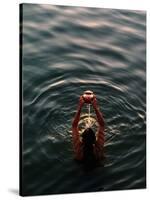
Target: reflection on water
<point>67,50</point>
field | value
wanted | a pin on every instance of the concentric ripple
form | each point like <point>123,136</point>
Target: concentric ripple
<point>67,50</point>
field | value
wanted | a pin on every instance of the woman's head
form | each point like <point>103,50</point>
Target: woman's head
<point>88,136</point>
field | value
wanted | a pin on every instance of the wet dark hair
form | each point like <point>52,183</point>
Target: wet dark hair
<point>88,139</point>
<point>88,136</point>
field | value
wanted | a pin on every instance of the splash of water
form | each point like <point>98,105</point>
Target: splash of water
<point>87,120</point>
<point>88,124</point>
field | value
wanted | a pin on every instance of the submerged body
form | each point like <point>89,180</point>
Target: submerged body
<point>89,149</point>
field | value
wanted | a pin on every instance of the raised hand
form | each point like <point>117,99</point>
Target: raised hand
<point>99,115</point>
<point>77,115</point>
<point>94,102</point>
<point>81,101</point>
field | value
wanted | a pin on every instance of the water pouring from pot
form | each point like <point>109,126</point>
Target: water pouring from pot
<point>88,96</point>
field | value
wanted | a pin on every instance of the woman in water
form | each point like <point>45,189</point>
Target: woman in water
<point>90,149</point>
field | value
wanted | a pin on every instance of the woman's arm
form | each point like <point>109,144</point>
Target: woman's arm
<point>100,122</point>
<point>75,132</point>
<point>77,115</point>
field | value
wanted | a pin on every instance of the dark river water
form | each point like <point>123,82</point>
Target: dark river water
<point>65,51</point>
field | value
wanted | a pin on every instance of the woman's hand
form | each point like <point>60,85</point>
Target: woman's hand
<point>94,102</point>
<point>81,101</point>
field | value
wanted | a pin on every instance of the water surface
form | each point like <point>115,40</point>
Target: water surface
<point>67,50</point>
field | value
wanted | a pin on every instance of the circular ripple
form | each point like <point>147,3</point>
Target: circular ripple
<point>65,54</point>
